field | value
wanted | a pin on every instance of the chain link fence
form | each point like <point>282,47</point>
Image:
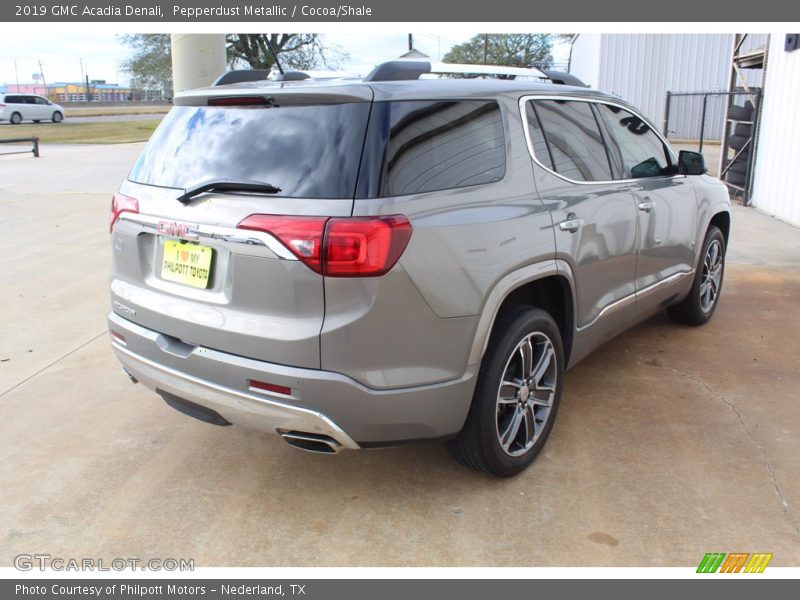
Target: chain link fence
<point>721,125</point>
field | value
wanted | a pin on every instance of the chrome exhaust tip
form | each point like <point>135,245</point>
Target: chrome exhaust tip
<point>130,375</point>
<point>312,442</point>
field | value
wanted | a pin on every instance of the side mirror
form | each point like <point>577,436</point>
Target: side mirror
<point>692,163</point>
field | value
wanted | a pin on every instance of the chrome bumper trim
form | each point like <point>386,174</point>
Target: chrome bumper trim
<point>266,414</point>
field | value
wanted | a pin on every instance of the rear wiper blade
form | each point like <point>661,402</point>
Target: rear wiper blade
<point>228,185</point>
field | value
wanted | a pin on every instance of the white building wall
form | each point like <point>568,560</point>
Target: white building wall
<point>776,187</point>
<point>641,68</point>
<point>585,58</point>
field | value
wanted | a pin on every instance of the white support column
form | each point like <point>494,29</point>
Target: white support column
<point>197,59</point>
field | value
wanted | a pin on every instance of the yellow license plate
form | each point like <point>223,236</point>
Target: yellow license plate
<point>189,264</point>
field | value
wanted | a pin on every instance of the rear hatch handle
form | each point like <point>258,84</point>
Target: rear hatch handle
<point>228,185</point>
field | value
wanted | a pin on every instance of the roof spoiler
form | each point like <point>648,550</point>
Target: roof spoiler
<point>243,75</point>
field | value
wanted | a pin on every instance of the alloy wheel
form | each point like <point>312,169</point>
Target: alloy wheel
<point>711,278</point>
<point>526,393</point>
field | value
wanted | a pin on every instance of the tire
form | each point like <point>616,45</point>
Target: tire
<point>741,113</point>
<point>737,142</point>
<point>487,441</point>
<point>735,177</point>
<point>57,117</point>
<point>740,166</point>
<point>696,309</point>
<point>743,129</point>
<point>16,118</point>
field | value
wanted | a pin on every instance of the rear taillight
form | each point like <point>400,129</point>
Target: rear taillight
<point>301,235</point>
<point>339,247</point>
<point>364,247</point>
<point>119,205</point>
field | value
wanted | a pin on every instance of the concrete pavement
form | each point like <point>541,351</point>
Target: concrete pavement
<point>671,441</point>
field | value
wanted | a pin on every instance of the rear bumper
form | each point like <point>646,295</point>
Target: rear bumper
<point>234,406</point>
<point>321,402</point>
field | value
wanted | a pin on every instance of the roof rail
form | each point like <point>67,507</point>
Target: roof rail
<point>402,69</point>
<point>241,75</point>
<point>563,78</point>
<point>399,70</point>
<point>405,70</point>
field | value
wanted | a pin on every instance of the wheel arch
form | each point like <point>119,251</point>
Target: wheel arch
<point>548,286</point>
<point>722,220</point>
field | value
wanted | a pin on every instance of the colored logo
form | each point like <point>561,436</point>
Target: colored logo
<point>736,562</point>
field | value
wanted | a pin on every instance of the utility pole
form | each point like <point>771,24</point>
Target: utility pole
<point>16,73</point>
<point>485,48</point>
<point>44,81</point>
<point>82,78</point>
<point>410,42</point>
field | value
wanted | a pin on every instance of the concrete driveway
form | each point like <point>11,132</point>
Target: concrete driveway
<point>671,441</point>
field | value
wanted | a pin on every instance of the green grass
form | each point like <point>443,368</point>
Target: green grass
<point>116,132</point>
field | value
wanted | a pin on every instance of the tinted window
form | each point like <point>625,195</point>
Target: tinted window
<point>39,100</point>
<point>642,152</point>
<point>439,145</point>
<point>573,139</point>
<point>29,99</point>
<point>14,100</point>
<point>538,142</point>
<point>310,151</point>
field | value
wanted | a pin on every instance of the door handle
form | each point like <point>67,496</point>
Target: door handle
<point>647,205</point>
<point>571,224</point>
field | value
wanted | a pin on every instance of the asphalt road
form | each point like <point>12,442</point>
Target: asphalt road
<point>104,119</point>
<point>671,441</point>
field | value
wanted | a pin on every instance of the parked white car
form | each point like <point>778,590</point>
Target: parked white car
<point>29,107</point>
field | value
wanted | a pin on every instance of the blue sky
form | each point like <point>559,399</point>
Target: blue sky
<point>60,53</point>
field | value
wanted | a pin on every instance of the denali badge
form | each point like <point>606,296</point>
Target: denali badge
<point>175,229</point>
<point>124,309</point>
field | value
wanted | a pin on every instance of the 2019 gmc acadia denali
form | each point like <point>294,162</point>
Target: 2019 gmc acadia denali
<point>362,263</point>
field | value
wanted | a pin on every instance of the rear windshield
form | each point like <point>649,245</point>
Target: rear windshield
<point>309,151</point>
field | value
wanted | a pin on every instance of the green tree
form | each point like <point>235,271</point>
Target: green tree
<point>150,65</point>
<point>507,49</point>
<point>294,50</point>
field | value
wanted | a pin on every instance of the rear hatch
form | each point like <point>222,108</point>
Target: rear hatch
<point>187,261</point>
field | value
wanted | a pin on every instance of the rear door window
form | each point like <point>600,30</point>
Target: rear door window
<point>642,152</point>
<point>309,150</point>
<point>431,145</point>
<point>572,138</point>
<point>538,143</point>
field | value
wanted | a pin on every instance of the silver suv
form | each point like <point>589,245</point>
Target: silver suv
<point>363,263</point>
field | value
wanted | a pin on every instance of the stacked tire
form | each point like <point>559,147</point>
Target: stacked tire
<point>741,131</point>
